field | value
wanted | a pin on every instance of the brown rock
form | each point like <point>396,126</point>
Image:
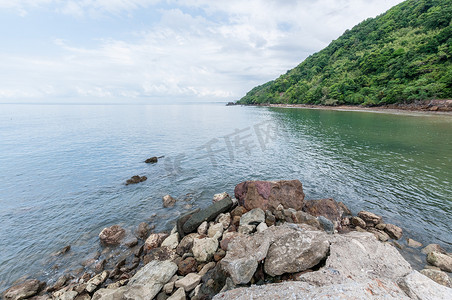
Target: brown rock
<point>438,276</point>
<point>393,231</point>
<point>154,240</point>
<point>380,226</point>
<point>168,201</point>
<point>159,254</point>
<point>236,221</point>
<point>269,194</point>
<point>187,265</point>
<point>112,235</point>
<point>433,248</point>
<point>371,219</point>
<point>380,235</point>
<point>357,221</point>
<point>186,244</point>
<point>238,211</point>
<point>412,243</point>
<point>24,290</point>
<point>345,210</point>
<point>143,230</point>
<point>219,255</point>
<point>324,207</point>
<point>136,179</point>
<point>442,261</point>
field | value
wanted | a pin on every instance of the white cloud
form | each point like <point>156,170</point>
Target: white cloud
<point>217,53</point>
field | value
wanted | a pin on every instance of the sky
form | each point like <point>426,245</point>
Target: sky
<point>151,50</point>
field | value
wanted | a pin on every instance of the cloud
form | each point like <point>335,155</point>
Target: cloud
<point>197,49</point>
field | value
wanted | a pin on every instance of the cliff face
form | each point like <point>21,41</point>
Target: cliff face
<point>402,55</point>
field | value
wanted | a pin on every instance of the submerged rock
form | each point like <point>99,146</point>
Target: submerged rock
<point>168,201</point>
<point>136,179</point>
<point>433,248</point>
<point>143,230</point>
<point>112,235</point>
<point>270,194</point>
<point>151,160</point>
<point>412,243</point>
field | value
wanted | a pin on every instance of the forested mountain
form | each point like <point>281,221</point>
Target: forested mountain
<point>402,55</point>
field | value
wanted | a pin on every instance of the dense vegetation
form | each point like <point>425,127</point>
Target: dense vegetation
<point>402,55</point>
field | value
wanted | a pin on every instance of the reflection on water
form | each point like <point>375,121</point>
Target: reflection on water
<point>62,169</point>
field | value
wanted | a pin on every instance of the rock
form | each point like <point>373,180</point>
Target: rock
<point>219,197</point>
<point>64,250</point>
<point>219,254</point>
<point>371,219</point>
<point>136,179</point>
<point>69,295</point>
<point>439,277</point>
<point>269,194</point>
<point>202,229</point>
<point>131,242</point>
<point>326,224</point>
<point>324,207</point>
<point>84,296</point>
<point>109,294</point>
<point>143,230</point>
<point>189,282</point>
<point>380,235</point>
<point>168,201</point>
<point>214,229</point>
<point>261,227</point>
<point>59,283</point>
<point>171,241</point>
<point>380,226</point>
<point>213,282</point>
<point>296,251</point>
<point>412,243</point>
<point>270,219</point>
<point>24,290</point>
<point>301,217</point>
<point>224,219</point>
<point>253,217</point>
<point>178,295</point>
<point>151,160</point>
<point>112,235</point>
<point>96,281</point>
<point>182,219</point>
<point>160,254</point>
<point>442,261</point>
<point>246,229</point>
<point>433,248</point>
<point>345,221</point>
<point>208,214</point>
<point>236,221</point>
<point>393,231</point>
<point>187,265</point>
<point>207,267</point>
<point>344,208</point>
<point>204,249</point>
<point>418,286</point>
<point>149,280</point>
<point>366,290</point>
<point>227,237</point>
<point>186,244</point>
<point>169,287</point>
<point>154,240</point>
<point>238,211</point>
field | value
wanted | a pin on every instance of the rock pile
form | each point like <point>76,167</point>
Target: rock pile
<point>270,238</point>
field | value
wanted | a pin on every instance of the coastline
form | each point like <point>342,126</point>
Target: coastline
<point>236,244</point>
<point>430,107</point>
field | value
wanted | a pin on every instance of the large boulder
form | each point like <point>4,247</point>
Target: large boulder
<point>112,235</point>
<point>418,286</point>
<point>270,194</point>
<point>24,290</point>
<point>327,208</point>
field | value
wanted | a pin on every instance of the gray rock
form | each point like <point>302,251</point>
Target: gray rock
<point>143,230</point>
<point>437,276</point>
<point>149,280</point>
<point>189,282</point>
<point>178,295</point>
<point>433,248</point>
<point>97,280</point>
<point>214,229</point>
<point>168,201</point>
<point>208,214</point>
<point>246,229</point>
<point>296,251</point>
<point>380,235</point>
<point>418,286</point>
<point>168,287</point>
<point>371,219</point>
<point>171,241</point>
<point>204,249</point>
<point>326,224</point>
<point>302,217</point>
<point>292,290</point>
<point>261,227</point>
<point>109,294</point>
<point>69,295</point>
<point>24,290</point>
<point>253,217</point>
<point>186,244</point>
<point>442,261</point>
<point>207,267</point>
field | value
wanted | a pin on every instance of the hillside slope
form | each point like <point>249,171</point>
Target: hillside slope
<point>402,55</point>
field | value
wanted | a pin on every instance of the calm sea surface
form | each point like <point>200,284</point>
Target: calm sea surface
<point>63,168</point>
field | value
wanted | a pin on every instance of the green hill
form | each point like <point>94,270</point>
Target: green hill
<point>402,55</point>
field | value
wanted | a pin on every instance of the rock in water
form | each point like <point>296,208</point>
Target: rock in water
<point>412,243</point>
<point>371,219</point>
<point>219,197</point>
<point>393,231</point>
<point>433,248</point>
<point>324,207</point>
<point>112,235</point>
<point>168,201</point>
<point>442,261</point>
<point>136,179</point>
<point>24,290</point>
<point>151,160</point>
<point>143,230</point>
<point>270,194</point>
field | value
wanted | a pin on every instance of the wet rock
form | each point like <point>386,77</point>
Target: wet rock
<point>178,295</point>
<point>412,243</point>
<point>24,290</point>
<point>418,286</point>
<point>96,281</point>
<point>253,217</point>
<point>204,249</point>
<point>439,277</point>
<point>393,231</point>
<point>112,235</point>
<point>219,197</point>
<point>99,267</point>
<point>151,160</point>
<point>83,296</point>
<point>182,219</point>
<point>131,242</point>
<point>442,261</point>
<point>208,214</point>
<point>63,251</point>
<point>109,294</point>
<point>371,219</point>
<point>433,248</point>
<point>214,229</point>
<point>168,201</point>
<point>143,230</point>
<point>189,282</point>
<point>136,179</point>
<point>186,244</point>
<point>224,219</point>
<point>296,251</point>
<point>202,229</point>
<point>154,240</point>
<point>59,283</point>
<point>269,194</point>
<point>171,241</point>
<point>324,207</point>
<point>187,265</point>
<point>149,280</point>
<point>69,295</point>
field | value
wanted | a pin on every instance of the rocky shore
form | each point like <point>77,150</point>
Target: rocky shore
<point>266,243</point>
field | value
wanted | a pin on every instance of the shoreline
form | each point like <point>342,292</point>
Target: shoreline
<point>431,107</point>
<point>210,252</point>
